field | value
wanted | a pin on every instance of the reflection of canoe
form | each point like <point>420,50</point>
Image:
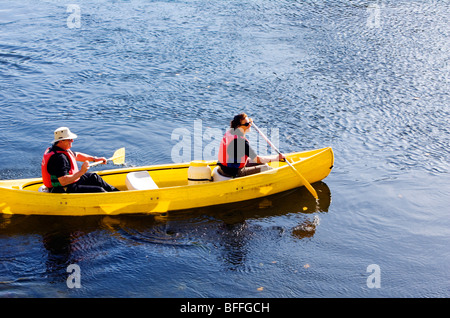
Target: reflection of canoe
<point>173,192</point>
<point>229,228</point>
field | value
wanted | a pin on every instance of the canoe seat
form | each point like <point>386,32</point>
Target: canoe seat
<point>140,180</point>
<point>217,176</point>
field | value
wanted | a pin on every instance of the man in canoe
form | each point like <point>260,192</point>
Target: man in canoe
<point>235,151</point>
<point>60,171</point>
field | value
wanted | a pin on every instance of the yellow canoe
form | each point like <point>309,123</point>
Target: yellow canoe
<point>172,193</point>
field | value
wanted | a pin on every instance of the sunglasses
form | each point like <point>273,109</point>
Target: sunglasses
<point>246,124</point>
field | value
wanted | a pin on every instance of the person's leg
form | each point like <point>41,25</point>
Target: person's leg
<point>57,190</point>
<point>90,182</point>
<point>253,168</point>
<point>95,180</point>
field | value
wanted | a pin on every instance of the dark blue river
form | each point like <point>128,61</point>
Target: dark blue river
<point>368,78</point>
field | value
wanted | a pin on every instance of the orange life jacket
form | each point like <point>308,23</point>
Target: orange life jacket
<point>49,180</point>
<point>224,156</point>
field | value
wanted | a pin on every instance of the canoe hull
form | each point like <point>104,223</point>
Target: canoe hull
<point>22,197</point>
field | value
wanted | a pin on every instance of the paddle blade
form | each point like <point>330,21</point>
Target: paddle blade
<point>119,157</point>
<point>304,181</point>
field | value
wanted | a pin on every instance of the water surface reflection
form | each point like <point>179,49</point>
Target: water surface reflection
<point>230,230</point>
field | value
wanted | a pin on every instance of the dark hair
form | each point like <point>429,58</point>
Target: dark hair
<point>236,122</point>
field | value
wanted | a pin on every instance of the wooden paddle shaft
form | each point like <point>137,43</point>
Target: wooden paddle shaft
<point>304,181</point>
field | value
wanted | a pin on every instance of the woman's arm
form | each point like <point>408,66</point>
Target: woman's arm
<point>267,159</point>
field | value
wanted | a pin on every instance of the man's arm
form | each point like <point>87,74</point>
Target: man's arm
<point>71,178</point>
<point>84,157</point>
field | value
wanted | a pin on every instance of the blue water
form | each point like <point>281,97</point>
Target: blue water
<point>369,78</point>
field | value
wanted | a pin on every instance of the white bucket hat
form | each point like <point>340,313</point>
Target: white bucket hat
<point>63,133</point>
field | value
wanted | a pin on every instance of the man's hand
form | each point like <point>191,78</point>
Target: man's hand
<point>103,159</point>
<point>85,167</point>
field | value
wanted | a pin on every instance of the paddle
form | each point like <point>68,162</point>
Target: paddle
<point>118,158</point>
<point>304,181</point>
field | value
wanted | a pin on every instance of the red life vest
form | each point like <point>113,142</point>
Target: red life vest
<point>224,156</point>
<point>46,177</point>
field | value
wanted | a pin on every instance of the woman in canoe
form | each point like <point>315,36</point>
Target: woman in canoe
<point>235,151</point>
<point>60,171</point>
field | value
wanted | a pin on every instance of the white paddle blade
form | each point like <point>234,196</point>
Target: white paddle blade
<point>119,157</point>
